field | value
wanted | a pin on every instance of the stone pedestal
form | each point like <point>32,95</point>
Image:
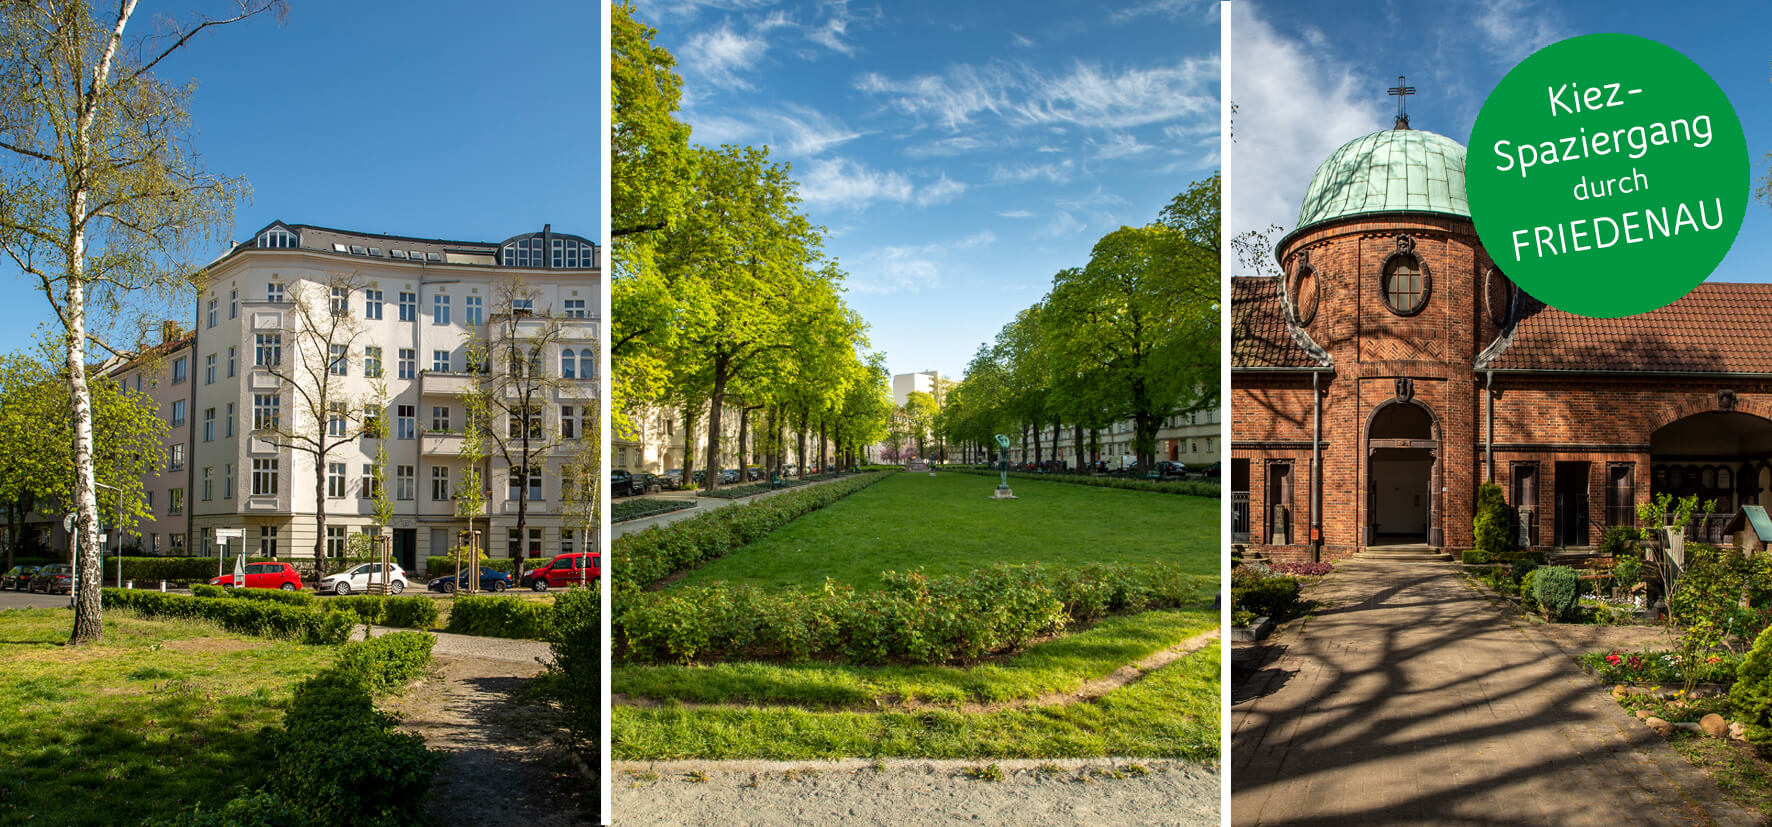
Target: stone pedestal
<point>1003,494</point>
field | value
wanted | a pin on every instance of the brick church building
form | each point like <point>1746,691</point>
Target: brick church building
<point>1392,367</point>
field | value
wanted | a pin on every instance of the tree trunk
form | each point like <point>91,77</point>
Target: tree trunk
<point>1036,430</point>
<point>823,457</point>
<point>800,445</point>
<point>688,448</point>
<point>722,365</point>
<point>1078,441</point>
<point>1055,429</point>
<point>319,519</point>
<point>88,617</point>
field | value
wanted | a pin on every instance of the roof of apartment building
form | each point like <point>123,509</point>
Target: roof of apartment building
<point>516,249</point>
<point>172,339</point>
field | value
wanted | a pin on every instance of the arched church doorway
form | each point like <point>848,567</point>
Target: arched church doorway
<point>1724,456</point>
<point>1401,459</point>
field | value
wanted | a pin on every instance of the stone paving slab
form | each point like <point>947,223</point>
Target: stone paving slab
<point>1407,698</point>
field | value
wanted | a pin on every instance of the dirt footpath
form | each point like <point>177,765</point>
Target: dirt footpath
<point>912,791</point>
<point>505,764</point>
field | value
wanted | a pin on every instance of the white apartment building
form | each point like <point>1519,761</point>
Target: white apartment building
<point>928,381</point>
<point>1193,439</point>
<point>413,302</point>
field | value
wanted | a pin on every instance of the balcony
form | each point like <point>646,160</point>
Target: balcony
<point>434,383</point>
<point>440,443</point>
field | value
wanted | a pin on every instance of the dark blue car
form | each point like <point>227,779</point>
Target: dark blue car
<point>491,580</point>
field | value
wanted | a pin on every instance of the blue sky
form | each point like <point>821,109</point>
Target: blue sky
<point>960,154</point>
<point>447,119</point>
<point>1309,76</point>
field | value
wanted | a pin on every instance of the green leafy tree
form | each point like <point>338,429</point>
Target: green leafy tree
<point>649,155</point>
<point>102,199</point>
<point>1491,521</point>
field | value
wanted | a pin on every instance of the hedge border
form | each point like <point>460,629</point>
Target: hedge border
<point>1186,488</point>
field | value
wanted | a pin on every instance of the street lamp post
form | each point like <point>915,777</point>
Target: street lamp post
<point>116,526</point>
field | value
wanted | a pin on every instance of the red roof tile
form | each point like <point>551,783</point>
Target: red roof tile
<point>1722,327</point>
<point>1260,337</point>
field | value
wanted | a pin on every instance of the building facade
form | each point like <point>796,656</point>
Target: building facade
<point>401,316</point>
<point>1392,367</point>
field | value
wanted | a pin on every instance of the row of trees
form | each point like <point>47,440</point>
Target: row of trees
<point>724,303</point>
<point>1131,336</point>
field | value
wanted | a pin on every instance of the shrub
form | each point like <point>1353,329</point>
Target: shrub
<point>1528,591</point>
<point>511,617</point>
<point>1491,521</point>
<point>1476,557</point>
<point>1751,698</point>
<point>410,612</point>
<point>1194,488</point>
<point>206,590</point>
<point>647,507</point>
<point>578,660</point>
<point>339,755</point>
<point>384,663</point>
<point>1556,589</point>
<point>1305,569</point>
<point>444,565</point>
<point>367,608</point>
<point>254,809</point>
<point>248,617</point>
<point>293,598</point>
<point>1266,595</point>
<point>1659,667</point>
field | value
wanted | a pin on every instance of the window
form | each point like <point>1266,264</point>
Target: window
<point>228,481</point>
<point>211,315</point>
<point>269,352</point>
<point>517,477</point>
<point>440,361</point>
<point>276,239</point>
<point>267,410</point>
<point>475,312</point>
<point>335,541</point>
<point>408,363</point>
<point>208,424</point>
<point>568,423</point>
<point>208,482</point>
<point>274,292</point>
<point>233,304</point>
<point>153,544</point>
<point>569,479</point>
<point>1621,494</point>
<point>568,364</point>
<point>230,422</point>
<point>516,542</point>
<point>439,309</point>
<point>335,480</point>
<point>176,457</point>
<point>178,412</point>
<point>337,421</point>
<point>338,364</point>
<point>405,482</point>
<point>264,477</point>
<point>535,542</point>
<point>372,362</point>
<point>531,416</point>
<point>231,350</point>
<point>405,421</point>
<point>371,487</point>
<point>175,501</point>
<point>440,417</point>
<point>267,541</point>
<point>575,308</point>
<point>439,483</point>
<point>1405,285</point>
<point>341,301</point>
<point>522,307</point>
<point>175,543</point>
<point>371,304</point>
<point>587,364</point>
<point>209,369</point>
<point>138,383</point>
<point>371,421</point>
<point>179,369</point>
<point>409,307</point>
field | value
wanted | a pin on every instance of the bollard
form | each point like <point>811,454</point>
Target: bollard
<point>132,584</point>
<point>163,585</point>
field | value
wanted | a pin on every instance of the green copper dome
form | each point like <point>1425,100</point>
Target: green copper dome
<point>1396,170</point>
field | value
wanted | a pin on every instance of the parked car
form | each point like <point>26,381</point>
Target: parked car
<point>357,579</point>
<point>264,576</point>
<point>621,483</point>
<point>17,577</point>
<point>1209,472</point>
<point>728,476</point>
<point>641,482</point>
<point>491,580</point>
<point>53,579</point>
<point>1170,470</point>
<point>756,472</point>
<point>565,571</point>
<point>672,480</point>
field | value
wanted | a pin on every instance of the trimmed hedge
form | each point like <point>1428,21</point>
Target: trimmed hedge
<point>578,660</point>
<point>913,618</point>
<point>409,611</point>
<point>660,551</point>
<point>293,598</point>
<point>511,617</point>
<point>247,617</point>
<point>646,507</point>
<point>443,566</point>
<point>1192,488</point>
<point>382,664</point>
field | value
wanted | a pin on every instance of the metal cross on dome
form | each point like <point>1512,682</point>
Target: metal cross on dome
<point>1401,92</point>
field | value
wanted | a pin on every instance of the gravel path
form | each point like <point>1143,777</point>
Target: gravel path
<point>533,652</point>
<point>914,791</point>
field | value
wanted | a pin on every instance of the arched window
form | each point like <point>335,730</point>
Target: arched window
<point>1405,285</point>
<point>587,362</point>
<point>568,364</point>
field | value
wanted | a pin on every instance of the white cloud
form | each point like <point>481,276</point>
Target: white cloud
<point>1061,225</point>
<point>686,9</point>
<point>843,183</point>
<point>790,129</point>
<point>1118,145</point>
<point>1022,171</point>
<point>947,147</point>
<point>1171,9</point>
<point>952,98</point>
<point>1017,214</point>
<point>908,268</point>
<point>1295,105</point>
<point>942,191</point>
<point>1513,29</point>
<point>1021,40</point>
<point>1100,198</point>
<point>719,55</point>
<point>830,35</point>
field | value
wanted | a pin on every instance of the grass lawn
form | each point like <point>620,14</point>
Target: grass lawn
<point>1171,713</point>
<point>1058,665</point>
<point>163,713</point>
<point>948,524</point>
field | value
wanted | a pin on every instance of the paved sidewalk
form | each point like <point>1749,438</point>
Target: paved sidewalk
<point>508,650</point>
<point>1408,698</point>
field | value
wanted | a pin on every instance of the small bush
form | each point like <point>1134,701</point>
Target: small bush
<point>1266,595</point>
<point>510,617</point>
<point>1491,521</point>
<point>1528,591</point>
<point>367,608</point>
<point>339,755</point>
<point>1557,589</point>
<point>410,612</point>
<point>578,659</point>
<point>444,565</point>
<point>254,809</point>
<point>206,590</point>
<point>1192,488</point>
<point>384,663</point>
<point>1751,698</point>
<point>293,598</point>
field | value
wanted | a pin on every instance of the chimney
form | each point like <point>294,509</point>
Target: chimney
<point>168,331</point>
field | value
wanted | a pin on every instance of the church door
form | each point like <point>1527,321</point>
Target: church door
<point>1572,501</point>
<point>1401,462</point>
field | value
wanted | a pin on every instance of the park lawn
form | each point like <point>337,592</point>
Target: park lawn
<point>1170,713</point>
<point>161,714</point>
<point>1062,664</point>
<point>947,524</point>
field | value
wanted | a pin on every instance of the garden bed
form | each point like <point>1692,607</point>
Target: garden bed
<point>634,509</point>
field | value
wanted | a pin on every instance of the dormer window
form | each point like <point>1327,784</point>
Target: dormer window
<point>277,238</point>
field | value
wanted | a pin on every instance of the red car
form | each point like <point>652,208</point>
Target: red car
<point>565,571</point>
<point>264,576</point>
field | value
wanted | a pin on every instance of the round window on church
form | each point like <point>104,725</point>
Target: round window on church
<point>1405,285</point>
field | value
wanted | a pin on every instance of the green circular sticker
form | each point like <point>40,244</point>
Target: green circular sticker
<point>1607,175</point>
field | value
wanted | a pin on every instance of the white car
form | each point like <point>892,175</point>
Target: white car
<point>357,579</point>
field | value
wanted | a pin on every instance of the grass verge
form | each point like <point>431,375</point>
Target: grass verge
<point>1739,771</point>
<point>1059,665</point>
